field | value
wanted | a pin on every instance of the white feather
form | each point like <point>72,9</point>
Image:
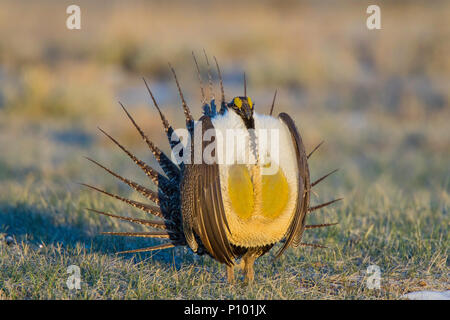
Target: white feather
<point>258,230</point>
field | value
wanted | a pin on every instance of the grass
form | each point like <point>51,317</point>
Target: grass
<point>411,252</point>
<point>401,225</point>
<point>379,100</point>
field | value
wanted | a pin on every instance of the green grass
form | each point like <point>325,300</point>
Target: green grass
<point>394,214</point>
<point>380,100</point>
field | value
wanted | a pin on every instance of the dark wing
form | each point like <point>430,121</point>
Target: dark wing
<point>202,205</point>
<point>295,231</point>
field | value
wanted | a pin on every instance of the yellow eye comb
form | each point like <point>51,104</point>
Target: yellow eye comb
<point>238,102</point>
<point>250,103</point>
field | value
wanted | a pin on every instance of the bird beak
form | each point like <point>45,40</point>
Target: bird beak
<point>247,111</point>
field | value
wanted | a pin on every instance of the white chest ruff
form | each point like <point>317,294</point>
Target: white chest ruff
<point>272,145</point>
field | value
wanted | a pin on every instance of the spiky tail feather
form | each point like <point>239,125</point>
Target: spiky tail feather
<point>168,194</point>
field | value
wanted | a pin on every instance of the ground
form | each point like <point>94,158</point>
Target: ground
<point>393,215</point>
<point>379,100</point>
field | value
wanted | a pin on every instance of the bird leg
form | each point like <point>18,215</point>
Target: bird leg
<point>230,274</point>
<point>249,260</point>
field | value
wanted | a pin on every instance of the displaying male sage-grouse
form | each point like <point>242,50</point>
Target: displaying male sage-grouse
<point>226,209</point>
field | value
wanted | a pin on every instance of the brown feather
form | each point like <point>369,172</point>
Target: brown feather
<point>149,194</point>
<point>211,91</point>
<point>273,102</point>
<point>245,86</point>
<point>187,112</point>
<point>313,245</point>
<point>166,125</point>
<point>158,247</point>
<point>150,223</point>
<point>222,91</point>
<point>149,171</point>
<point>296,228</point>
<point>199,79</point>
<point>203,209</point>
<point>317,147</point>
<point>145,207</point>
<point>313,226</point>
<point>311,209</point>
<point>166,164</point>
<point>153,234</point>
<point>322,178</point>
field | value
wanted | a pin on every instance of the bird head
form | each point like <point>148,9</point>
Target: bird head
<point>243,106</point>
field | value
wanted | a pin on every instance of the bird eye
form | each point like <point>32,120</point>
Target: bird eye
<point>250,103</point>
<point>237,102</point>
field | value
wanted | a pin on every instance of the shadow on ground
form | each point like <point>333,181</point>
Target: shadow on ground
<point>35,227</point>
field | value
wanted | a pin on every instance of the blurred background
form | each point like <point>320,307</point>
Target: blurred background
<point>379,98</point>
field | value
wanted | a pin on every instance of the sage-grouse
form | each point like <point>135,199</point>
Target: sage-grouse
<point>238,207</point>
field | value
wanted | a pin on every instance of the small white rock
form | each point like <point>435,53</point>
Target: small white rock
<point>9,240</point>
<point>428,295</point>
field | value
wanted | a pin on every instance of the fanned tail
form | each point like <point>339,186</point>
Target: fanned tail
<point>273,102</point>
<point>158,247</point>
<point>171,135</point>
<point>211,91</point>
<point>313,226</point>
<point>314,245</point>
<point>149,171</point>
<point>199,79</point>
<point>170,168</point>
<point>187,112</point>
<point>142,206</point>
<point>167,221</point>
<point>314,150</point>
<point>159,224</point>
<point>149,194</point>
<point>311,209</point>
<point>222,91</point>
<point>154,234</point>
<point>322,178</point>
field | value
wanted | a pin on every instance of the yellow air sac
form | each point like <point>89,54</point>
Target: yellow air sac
<point>240,189</point>
<point>275,194</point>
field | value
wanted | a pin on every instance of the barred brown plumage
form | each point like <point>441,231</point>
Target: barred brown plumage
<point>193,199</point>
